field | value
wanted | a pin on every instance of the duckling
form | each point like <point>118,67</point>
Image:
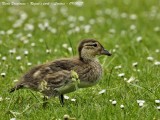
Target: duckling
<point>63,76</point>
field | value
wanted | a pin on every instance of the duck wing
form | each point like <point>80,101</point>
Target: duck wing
<point>59,80</point>
<point>54,75</point>
<point>57,83</point>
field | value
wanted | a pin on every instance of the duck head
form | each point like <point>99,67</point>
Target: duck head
<point>88,49</point>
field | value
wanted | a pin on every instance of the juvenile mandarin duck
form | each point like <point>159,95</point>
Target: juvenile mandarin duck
<point>59,77</point>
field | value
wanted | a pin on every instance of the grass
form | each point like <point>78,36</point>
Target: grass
<point>118,25</point>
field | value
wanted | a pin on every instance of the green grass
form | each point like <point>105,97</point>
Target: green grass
<point>112,23</point>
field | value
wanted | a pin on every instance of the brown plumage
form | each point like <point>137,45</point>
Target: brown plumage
<point>56,78</point>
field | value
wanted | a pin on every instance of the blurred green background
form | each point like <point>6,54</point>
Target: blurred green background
<point>130,29</point>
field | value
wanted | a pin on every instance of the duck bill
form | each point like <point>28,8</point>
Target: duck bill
<point>105,52</point>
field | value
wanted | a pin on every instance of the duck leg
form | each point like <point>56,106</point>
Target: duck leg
<point>61,99</point>
<point>45,98</point>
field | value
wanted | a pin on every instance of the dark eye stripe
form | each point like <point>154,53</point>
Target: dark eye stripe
<point>94,44</point>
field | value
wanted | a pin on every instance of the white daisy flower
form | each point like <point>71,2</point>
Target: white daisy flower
<point>48,51</point>
<point>133,16</point>
<point>26,52</point>
<point>4,58</point>
<point>140,103</point>
<point>18,58</point>
<point>157,63</point>
<point>118,67</point>
<point>157,50</point>
<point>135,64</point>
<point>158,107</point>
<point>66,97</point>
<point>150,58</point>
<point>122,106</point>
<point>29,64</point>
<point>131,79</point>
<point>114,102</point>
<point>139,39</point>
<point>33,44</point>
<point>3,74</point>
<point>121,75</point>
<point>13,119</point>
<point>64,45</point>
<point>133,27</point>
<point>157,101</point>
<point>102,91</point>
<point>69,49</point>
<point>1,99</point>
<point>73,100</point>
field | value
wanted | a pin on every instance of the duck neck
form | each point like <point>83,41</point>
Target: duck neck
<point>87,59</point>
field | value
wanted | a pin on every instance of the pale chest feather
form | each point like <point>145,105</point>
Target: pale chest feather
<point>90,74</point>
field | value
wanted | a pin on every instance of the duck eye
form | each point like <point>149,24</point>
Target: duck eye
<point>95,45</point>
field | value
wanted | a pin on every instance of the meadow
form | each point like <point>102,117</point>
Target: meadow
<point>35,34</point>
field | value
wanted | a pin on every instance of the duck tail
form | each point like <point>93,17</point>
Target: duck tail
<point>17,87</point>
